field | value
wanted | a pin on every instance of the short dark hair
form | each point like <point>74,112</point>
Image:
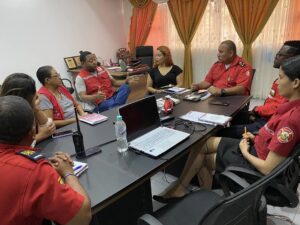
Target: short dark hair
<point>19,84</point>
<point>291,67</point>
<point>230,45</point>
<point>43,72</point>
<point>83,55</point>
<point>16,119</point>
<point>294,47</point>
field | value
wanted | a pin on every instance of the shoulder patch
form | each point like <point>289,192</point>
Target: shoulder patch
<point>285,135</point>
<point>32,155</point>
<point>242,64</point>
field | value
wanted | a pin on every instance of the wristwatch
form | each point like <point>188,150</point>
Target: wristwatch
<point>223,92</point>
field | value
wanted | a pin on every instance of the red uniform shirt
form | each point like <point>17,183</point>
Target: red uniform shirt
<point>100,82</point>
<point>281,133</point>
<point>272,102</point>
<point>31,191</point>
<point>239,73</point>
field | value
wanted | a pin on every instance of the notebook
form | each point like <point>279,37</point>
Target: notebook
<point>93,118</point>
<point>79,167</point>
<point>144,131</point>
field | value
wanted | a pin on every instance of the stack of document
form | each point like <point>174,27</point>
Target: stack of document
<point>175,90</point>
<point>206,118</point>
<point>79,167</point>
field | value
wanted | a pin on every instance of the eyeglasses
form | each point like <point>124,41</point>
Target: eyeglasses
<point>57,75</point>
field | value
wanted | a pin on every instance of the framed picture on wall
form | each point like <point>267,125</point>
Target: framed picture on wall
<point>77,61</point>
<point>70,62</point>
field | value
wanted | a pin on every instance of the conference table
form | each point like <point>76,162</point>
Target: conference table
<point>119,184</point>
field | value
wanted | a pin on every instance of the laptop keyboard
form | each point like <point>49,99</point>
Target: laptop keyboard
<point>155,138</point>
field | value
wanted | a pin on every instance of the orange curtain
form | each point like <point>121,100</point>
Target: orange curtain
<point>139,3</point>
<point>293,29</point>
<point>186,15</point>
<point>249,18</point>
<point>140,25</point>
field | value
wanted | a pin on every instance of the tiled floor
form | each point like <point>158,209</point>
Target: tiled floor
<point>286,215</point>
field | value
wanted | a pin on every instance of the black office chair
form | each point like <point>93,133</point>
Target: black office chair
<point>68,87</point>
<point>145,53</point>
<point>283,190</point>
<point>247,206</point>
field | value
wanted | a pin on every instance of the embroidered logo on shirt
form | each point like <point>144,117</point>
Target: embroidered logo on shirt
<point>285,135</point>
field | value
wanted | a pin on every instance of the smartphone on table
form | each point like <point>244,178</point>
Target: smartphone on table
<point>62,133</point>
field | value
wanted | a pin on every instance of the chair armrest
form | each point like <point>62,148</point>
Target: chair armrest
<point>229,176</point>
<point>147,219</point>
<point>244,172</point>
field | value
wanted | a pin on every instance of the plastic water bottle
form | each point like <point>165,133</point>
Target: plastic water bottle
<point>120,128</point>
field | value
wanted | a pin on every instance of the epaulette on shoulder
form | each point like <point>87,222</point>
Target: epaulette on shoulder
<point>32,155</point>
<point>242,64</point>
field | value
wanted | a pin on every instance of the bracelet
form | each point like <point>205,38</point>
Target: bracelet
<point>68,174</point>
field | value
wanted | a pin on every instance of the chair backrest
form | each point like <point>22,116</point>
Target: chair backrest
<point>251,81</point>
<point>145,53</point>
<point>243,207</point>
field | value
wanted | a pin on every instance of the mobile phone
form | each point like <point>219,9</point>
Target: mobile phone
<point>214,102</point>
<point>62,134</point>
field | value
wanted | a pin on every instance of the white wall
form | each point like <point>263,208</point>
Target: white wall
<point>42,32</point>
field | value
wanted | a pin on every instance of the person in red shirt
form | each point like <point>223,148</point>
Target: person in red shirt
<point>274,142</point>
<point>56,101</point>
<point>34,189</point>
<point>230,75</point>
<point>258,117</point>
<point>95,86</point>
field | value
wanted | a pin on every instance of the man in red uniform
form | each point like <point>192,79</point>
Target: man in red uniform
<point>259,116</point>
<point>230,75</point>
<point>34,189</point>
<point>95,86</point>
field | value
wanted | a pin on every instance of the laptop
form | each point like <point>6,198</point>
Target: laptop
<point>144,131</point>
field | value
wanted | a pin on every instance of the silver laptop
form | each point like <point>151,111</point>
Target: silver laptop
<point>144,131</point>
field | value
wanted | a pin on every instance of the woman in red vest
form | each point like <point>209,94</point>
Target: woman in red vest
<point>22,85</point>
<point>56,101</point>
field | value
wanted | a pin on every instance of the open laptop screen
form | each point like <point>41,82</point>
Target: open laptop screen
<point>140,117</point>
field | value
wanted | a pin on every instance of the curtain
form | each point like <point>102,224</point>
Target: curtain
<point>139,3</point>
<point>215,27</point>
<point>249,18</point>
<point>293,31</point>
<point>140,25</point>
<point>186,15</point>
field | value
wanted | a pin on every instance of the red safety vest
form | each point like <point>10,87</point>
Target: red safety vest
<point>100,82</point>
<point>58,113</point>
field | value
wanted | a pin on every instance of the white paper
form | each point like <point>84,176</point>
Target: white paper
<point>207,118</point>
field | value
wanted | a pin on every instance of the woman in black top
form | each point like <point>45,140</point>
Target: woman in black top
<point>164,72</point>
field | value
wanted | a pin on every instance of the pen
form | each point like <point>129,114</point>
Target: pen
<point>77,167</point>
<point>245,130</point>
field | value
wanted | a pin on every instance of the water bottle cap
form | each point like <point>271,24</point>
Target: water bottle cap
<point>119,117</point>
